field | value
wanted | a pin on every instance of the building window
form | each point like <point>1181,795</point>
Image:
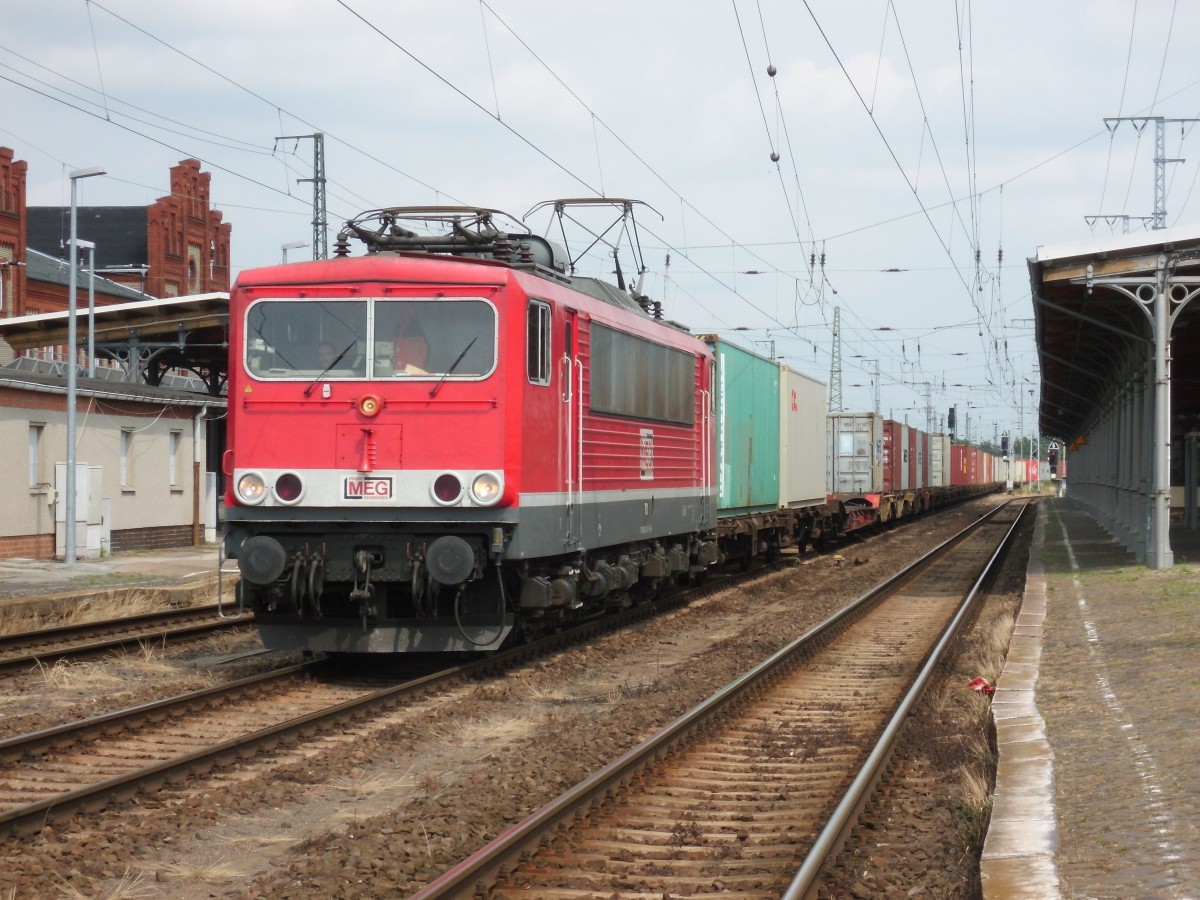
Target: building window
<point>538,342</point>
<point>126,446</point>
<point>193,268</point>
<point>173,458</point>
<point>36,434</point>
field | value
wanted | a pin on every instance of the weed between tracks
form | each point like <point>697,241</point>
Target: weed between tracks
<point>130,886</point>
<point>217,869</point>
<point>367,784</point>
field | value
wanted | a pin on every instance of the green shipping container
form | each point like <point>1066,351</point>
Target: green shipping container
<point>747,409</point>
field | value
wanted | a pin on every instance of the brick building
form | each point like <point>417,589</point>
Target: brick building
<point>12,233</point>
<point>178,245</point>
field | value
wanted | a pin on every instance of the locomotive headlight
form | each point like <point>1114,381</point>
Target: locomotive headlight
<point>251,488</point>
<point>486,488</point>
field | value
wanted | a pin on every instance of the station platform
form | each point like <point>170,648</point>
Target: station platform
<point>48,577</point>
<point>1096,712</point>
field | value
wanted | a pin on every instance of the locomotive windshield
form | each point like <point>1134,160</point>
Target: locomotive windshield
<point>452,338</point>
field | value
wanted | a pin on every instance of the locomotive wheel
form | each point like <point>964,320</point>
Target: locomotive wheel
<point>296,592</point>
<point>316,584</point>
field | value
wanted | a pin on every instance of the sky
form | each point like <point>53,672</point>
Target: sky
<point>893,175</point>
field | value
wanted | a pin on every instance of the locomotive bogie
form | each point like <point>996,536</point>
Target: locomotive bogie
<point>396,589</point>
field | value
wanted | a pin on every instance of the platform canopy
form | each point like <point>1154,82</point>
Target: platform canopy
<point>1085,333</point>
<point>149,338</point>
<point>1117,343</point>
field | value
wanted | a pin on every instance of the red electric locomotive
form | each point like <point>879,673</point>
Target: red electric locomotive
<point>451,438</point>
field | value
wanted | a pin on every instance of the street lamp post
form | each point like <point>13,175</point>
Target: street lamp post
<point>72,351</point>
<point>90,247</point>
<point>292,245</point>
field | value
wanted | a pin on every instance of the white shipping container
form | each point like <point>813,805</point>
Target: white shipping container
<point>939,460</point>
<point>802,446</point>
<point>855,460</point>
<point>922,449</point>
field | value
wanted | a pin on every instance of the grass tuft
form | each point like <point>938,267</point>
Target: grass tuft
<point>130,886</point>
<point>219,869</point>
<point>366,784</point>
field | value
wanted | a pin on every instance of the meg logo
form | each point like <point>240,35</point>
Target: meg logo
<point>361,487</point>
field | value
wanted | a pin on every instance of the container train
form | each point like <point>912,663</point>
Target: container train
<point>451,442</point>
<point>880,470</point>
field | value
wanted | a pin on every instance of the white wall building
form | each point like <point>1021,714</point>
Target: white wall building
<point>141,479</point>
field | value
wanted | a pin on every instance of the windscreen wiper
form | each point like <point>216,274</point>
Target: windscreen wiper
<point>337,359</point>
<point>433,390</point>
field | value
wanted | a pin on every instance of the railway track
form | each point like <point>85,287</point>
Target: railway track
<point>27,649</point>
<point>88,764</point>
<point>752,792</point>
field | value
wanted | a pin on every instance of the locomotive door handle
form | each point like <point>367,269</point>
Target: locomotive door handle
<point>567,456</point>
<point>579,455</point>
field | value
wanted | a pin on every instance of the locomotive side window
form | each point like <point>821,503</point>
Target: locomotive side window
<point>537,342</point>
<point>634,377</point>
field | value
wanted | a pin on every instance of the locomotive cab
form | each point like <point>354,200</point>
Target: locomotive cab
<point>408,417</point>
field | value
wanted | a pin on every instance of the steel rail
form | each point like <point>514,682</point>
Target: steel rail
<point>844,816</point>
<point>47,643</point>
<point>99,794</point>
<point>21,746</point>
<point>499,855</point>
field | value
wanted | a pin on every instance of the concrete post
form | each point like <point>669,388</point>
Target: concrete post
<point>1161,556</point>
